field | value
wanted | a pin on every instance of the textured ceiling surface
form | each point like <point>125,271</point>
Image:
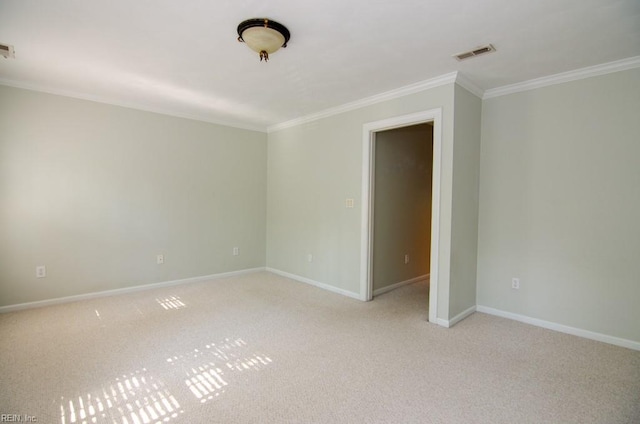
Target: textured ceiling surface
<point>183,58</point>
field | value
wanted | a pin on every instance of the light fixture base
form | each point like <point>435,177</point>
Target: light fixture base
<point>263,36</point>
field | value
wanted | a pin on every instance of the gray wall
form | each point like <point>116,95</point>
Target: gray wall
<point>402,204</point>
<point>313,167</point>
<point>464,230</point>
<point>560,204</point>
<point>95,192</point>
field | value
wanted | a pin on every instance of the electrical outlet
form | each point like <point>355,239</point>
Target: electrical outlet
<point>41,271</point>
<point>236,251</point>
<point>515,283</point>
<point>406,259</point>
<point>309,257</point>
<point>349,203</point>
<point>160,259</point>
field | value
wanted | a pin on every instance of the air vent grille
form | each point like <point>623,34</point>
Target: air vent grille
<point>476,52</point>
<point>7,51</point>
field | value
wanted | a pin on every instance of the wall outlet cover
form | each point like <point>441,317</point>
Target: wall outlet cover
<point>515,283</point>
<point>41,271</point>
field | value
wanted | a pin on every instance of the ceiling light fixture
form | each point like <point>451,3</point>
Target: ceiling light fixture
<point>263,36</point>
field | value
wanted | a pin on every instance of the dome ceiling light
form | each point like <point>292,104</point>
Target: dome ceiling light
<point>263,36</point>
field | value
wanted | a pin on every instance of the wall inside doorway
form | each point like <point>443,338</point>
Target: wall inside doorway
<point>402,205</point>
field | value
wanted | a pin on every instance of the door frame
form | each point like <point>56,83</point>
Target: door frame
<point>368,179</point>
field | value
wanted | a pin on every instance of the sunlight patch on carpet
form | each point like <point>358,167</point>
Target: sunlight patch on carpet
<point>136,398</point>
<point>206,366</point>
<point>171,302</point>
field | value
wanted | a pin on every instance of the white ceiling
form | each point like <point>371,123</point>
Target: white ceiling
<point>182,57</point>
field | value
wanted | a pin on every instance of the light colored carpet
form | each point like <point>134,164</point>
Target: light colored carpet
<point>260,348</point>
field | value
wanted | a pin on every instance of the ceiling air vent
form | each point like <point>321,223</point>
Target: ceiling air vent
<point>476,52</point>
<point>7,51</point>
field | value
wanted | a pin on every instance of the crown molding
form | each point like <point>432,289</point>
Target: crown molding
<point>453,77</point>
<point>469,85</point>
<point>368,101</point>
<point>136,106</point>
<point>578,74</point>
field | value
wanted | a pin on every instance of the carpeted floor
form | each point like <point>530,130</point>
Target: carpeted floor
<point>260,348</point>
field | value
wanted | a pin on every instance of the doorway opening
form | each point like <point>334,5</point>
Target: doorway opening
<point>401,199</point>
<point>434,118</point>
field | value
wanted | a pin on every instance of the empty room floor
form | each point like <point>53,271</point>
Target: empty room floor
<point>263,348</point>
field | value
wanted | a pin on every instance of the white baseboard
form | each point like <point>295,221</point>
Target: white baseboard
<point>315,283</point>
<point>453,321</point>
<point>561,328</point>
<point>124,290</point>
<point>400,284</point>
